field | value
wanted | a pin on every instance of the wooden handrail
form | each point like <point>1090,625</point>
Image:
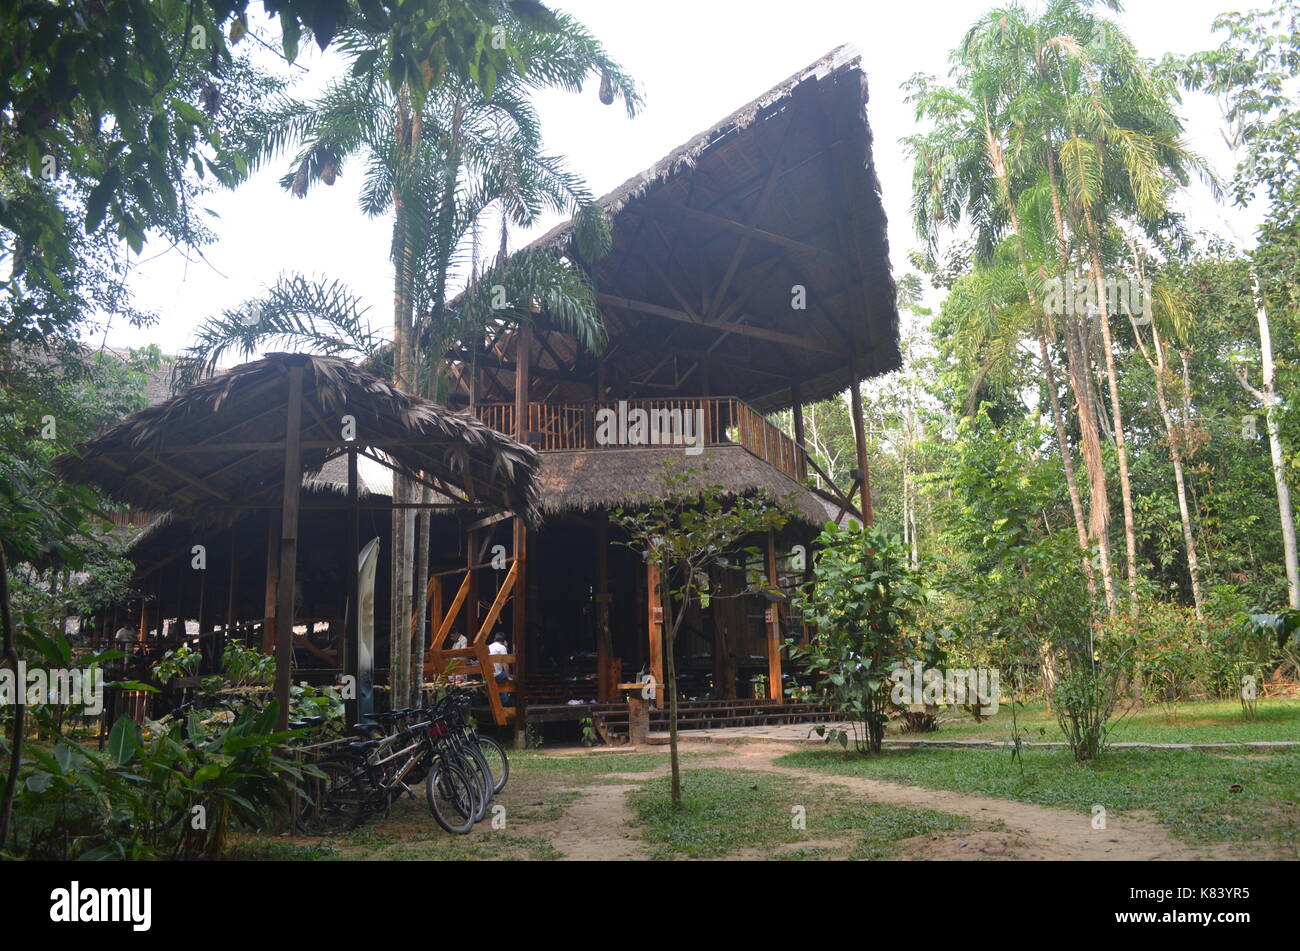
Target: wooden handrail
<point>726,420</point>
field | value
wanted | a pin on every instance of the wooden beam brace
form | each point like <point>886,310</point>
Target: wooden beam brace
<point>744,330</point>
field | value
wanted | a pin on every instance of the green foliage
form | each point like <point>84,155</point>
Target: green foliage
<point>246,666</point>
<point>863,596</point>
<point>182,662</point>
<point>171,794</point>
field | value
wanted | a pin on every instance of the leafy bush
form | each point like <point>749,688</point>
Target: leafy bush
<point>182,662</point>
<point>863,593</point>
<point>168,793</point>
<point>246,667</point>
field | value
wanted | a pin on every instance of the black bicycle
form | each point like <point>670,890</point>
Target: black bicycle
<point>388,757</point>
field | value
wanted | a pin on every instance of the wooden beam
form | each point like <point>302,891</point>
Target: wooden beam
<point>796,411</point>
<point>449,619</point>
<point>743,330</point>
<point>606,683</point>
<point>669,209</point>
<point>778,160</point>
<point>272,581</point>
<point>655,622</point>
<point>860,440</point>
<point>775,691</point>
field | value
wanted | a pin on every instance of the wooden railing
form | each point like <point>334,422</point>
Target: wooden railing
<point>724,421</point>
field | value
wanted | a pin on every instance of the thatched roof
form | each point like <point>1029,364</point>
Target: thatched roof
<point>218,447</point>
<point>708,244</point>
<point>611,478</point>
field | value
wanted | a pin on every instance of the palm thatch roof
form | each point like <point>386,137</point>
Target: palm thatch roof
<point>709,244</point>
<point>218,448</point>
<point>582,482</point>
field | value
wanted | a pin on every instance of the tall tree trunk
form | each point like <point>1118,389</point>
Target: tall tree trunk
<point>670,639</point>
<point>1090,439</point>
<point>421,612</point>
<point>1267,394</point>
<point>1159,366</point>
<point>1058,417</point>
<point>400,584</point>
<point>1067,460</point>
<point>1090,442</point>
<point>1117,419</point>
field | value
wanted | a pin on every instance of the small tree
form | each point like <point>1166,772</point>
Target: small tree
<point>688,528</point>
<point>863,594</point>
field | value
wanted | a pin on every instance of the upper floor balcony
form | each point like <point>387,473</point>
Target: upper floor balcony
<point>694,423</point>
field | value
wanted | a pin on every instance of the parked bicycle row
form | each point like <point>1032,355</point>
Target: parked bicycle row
<point>388,756</point>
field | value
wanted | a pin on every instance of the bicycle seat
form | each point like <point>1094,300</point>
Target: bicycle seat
<point>363,746</point>
<point>362,729</point>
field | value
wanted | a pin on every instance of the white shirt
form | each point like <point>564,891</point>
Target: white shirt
<point>460,644</point>
<point>496,647</point>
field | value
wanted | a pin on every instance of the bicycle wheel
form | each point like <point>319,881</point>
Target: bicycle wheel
<point>477,767</point>
<point>338,799</point>
<point>499,764</point>
<point>453,796</point>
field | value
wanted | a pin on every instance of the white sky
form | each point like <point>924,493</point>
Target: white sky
<point>697,61</point>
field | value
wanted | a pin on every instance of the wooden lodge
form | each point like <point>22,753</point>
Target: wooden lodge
<point>749,274</point>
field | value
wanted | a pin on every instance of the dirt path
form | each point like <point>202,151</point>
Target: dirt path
<point>595,827</point>
<point>1032,832</point>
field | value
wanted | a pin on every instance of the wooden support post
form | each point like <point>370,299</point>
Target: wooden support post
<point>471,598</point>
<point>796,410</point>
<point>606,682</point>
<point>288,548</point>
<point>352,621</point>
<point>860,439</point>
<point>272,580</point>
<point>655,621</point>
<point>638,719</point>
<point>230,604</point>
<point>775,691</point>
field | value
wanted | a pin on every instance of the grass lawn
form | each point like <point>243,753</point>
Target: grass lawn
<point>1186,790</point>
<point>1201,722</point>
<point>728,811</point>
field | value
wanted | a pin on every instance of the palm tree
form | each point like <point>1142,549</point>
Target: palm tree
<point>438,163</point>
<point>962,168</point>
<point>1058,114</point>
<point>1121,157</point>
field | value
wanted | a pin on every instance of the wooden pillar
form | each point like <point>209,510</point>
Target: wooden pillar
<point>475,347</point>
<point>288,547</point>
<point>860,439</point>
<point>520,602</point>
<point>796,409</point>
<point>472,619</point>
<point>606,682</point>
<point>655,620</point>
<point>775,690</point>
<point>230,603</point>
<point>272,581</point>
<point>352,621</point>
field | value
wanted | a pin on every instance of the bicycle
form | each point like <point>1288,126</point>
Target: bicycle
<point>371,773</point>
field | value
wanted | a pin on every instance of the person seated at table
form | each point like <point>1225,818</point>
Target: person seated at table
<point>459,642</point>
